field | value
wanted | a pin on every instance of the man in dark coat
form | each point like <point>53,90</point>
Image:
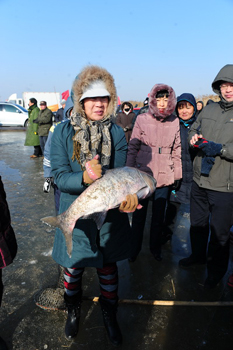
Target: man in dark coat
<point>211,204</point>
<point>32,138</point>
<point>44,121</point>
<point>8,245</point>
<point>60,113</point>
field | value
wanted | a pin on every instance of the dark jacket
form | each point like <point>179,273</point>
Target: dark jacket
<point>182,194</point>
<point>125,121</point>
<point>59,115</point>
<point>90,246</point>
<point>8,244</point>
<point>45,121</point>
<point>215,123</point>
<point>32,138</point>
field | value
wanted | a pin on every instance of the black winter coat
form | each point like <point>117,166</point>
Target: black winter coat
<point>59,115</point>
<point>8,245</point>
<point>182,195</point>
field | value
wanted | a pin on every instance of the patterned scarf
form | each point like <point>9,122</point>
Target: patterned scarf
<point>91,138</point>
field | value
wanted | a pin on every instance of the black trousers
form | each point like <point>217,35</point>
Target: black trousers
<point>159,200</point>
<point>37,151</point>
<point>170,218</point>
<point>211,212</point>
<point>43,140</point>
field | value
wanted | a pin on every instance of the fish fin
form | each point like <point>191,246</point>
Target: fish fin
<point>66,230</point>
<point>143,192</point>
<point>98,218</point>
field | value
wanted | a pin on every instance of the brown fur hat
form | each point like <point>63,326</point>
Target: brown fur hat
<point>153,103</point>
<point>87,76</point>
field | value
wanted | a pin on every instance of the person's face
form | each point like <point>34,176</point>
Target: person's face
<point>185,110</point>
<point>226,90</point>
<point>199,106</point>
<point>63,106</point>
<point>42,107</point>
<point>95,108</point>
<point>30,103</point>
<point>126,108</point>
<point>162,103</point>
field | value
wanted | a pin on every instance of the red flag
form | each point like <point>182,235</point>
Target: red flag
<point>65,95</point>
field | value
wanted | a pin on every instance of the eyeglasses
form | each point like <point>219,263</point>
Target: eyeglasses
<point>225,86</point>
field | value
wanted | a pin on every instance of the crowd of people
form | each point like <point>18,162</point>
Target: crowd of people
<point>186,147</point>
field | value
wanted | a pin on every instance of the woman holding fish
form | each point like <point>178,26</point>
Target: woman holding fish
<point>82,149</point>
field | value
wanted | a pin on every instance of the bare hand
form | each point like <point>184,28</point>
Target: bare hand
<point>195,138</point>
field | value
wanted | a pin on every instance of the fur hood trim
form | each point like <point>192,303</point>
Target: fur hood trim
<point>153,103</point>
<point>87,76</point>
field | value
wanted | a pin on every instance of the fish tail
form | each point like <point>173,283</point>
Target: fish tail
<point>67,230</point>
<point>51,221</point>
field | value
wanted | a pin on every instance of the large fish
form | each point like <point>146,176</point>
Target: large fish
<point>106,193</point>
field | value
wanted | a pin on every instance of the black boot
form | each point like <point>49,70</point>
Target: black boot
<point>109,316</point>
<point>74,308</point>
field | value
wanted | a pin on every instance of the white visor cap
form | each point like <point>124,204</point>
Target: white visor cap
<point>95,89</point>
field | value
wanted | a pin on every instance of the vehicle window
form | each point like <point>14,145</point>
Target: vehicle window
<point>22,108</point>
<point>10,108</point>
<point>1,108</point>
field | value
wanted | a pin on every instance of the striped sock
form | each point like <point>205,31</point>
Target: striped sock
<point>108,280</point>
<point>73,280</point>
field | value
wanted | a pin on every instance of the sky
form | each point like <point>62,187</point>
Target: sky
<point>44,44</point>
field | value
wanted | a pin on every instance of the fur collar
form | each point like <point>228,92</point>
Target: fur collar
<point>153,103</point>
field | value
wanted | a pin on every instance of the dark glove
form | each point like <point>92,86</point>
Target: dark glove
<point>206,165</point>
<point>130,204</point>
<point>210,148</point>
<point>47,184</point>
<point>93,171</point>
<point>176,185</point>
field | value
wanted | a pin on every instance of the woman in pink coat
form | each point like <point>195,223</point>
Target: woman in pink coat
<point>155,148</point>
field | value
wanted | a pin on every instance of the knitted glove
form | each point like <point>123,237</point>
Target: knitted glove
<point>93,170</point>
<point>206,165</point>
<point>130,204</point>
<point>210,148</point>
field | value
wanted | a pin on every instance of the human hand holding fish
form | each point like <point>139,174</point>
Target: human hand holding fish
<point>130,204</point>
<point>93,170</point>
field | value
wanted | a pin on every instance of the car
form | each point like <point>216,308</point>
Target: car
<point>12,114</point>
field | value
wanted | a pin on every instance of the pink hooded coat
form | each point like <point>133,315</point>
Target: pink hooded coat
<point>155,145</point>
